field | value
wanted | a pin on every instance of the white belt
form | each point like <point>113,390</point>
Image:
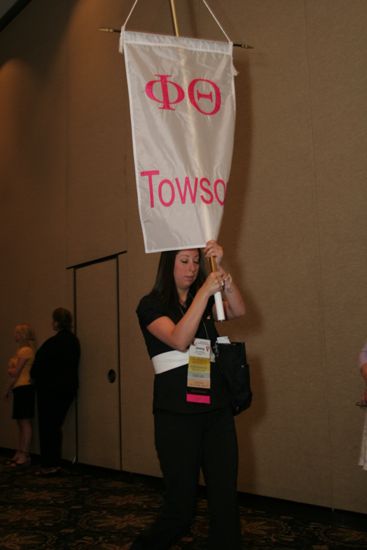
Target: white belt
<point>170,360</point>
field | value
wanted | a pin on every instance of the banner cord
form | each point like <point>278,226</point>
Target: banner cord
<point>216,20</point>
<point>130,13</point>
<point>205,4</point>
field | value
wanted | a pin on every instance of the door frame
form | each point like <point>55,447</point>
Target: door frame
<point>75,269</point>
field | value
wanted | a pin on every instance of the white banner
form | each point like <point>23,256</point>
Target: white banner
<point>182,106</point>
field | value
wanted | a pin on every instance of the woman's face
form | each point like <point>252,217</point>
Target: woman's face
<point>186,268</point>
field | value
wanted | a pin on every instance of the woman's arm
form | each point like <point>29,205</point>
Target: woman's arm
<point>11,366</point>
<point>11,372</point>
<point>233,303</point>
<point>16,368</point>
<point>179,336</point>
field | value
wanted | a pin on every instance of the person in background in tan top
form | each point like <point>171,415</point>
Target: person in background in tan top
<point>21,386</point>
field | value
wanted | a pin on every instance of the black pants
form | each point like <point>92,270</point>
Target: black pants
<point>185,443</point>
<point>52,410</point>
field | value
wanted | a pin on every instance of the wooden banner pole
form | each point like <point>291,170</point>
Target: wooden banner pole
<point>174,17</point>
<point>212,262</point>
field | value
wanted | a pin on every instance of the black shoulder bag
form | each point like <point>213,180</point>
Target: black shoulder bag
<point>232,362</point>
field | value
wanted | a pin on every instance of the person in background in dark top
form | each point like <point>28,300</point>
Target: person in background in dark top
<point>55,375</point>
<point>194,425</point>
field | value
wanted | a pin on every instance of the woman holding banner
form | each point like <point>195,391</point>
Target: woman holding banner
<point>194,426</point>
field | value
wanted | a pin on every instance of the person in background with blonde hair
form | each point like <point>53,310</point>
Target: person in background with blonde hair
<point>21,386</point>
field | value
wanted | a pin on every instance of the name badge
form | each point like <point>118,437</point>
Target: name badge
<point>198,372</point>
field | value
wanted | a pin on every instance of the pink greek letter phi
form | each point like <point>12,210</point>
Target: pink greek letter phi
<point>165,96</point>
<point>195,98</point>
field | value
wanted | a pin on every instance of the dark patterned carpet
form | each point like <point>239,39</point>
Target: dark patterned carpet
<point>93,508</point>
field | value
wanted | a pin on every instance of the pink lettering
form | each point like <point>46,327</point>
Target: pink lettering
<point>165,97</point>
<point>213,104</point>
<point>160,192</point>
<point>187,188</point>
<point>150,174</point>
<point>165,192</point>
<point>223,185</point>
<point>205,187</point>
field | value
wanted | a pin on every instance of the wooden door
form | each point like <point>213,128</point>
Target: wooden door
<point>98,404</point>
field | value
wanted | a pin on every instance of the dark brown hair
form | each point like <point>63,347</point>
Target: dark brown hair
<point>63,318</point>
<point>165,285</point>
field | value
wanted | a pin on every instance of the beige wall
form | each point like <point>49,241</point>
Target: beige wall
<point>294,228</point>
